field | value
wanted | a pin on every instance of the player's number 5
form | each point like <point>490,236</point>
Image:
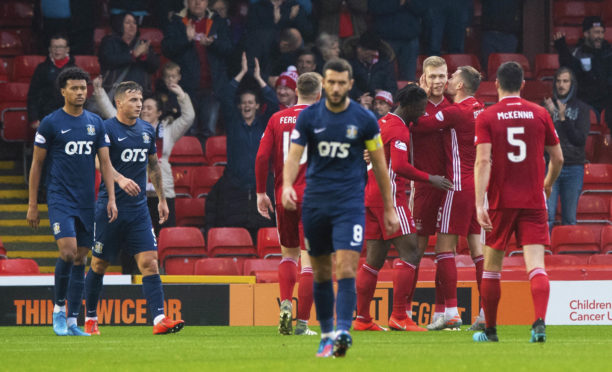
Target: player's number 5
<point>522,146</point>
<point>286,143</point>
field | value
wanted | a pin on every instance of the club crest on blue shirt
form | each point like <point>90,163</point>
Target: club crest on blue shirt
<point>351,131</point>
<point>56,228</point>
<point>91,130</point>
<point>146,138</point>
<point>98,247</point>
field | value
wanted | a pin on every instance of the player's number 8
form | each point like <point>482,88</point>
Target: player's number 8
<point>357,233</point>
<point>522,146</point>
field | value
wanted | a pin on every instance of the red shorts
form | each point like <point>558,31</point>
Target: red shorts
<point>375,223</point>
<point>529,225</point>
<point>290,228</point>
<point>458,214</point>
<point>425,205</point>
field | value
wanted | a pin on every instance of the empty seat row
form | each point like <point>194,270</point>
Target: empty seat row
<point>188,151</point>
<point>573,12</point>
<point>582,239</point>
<point>195,181</point>
<point>21,68</point>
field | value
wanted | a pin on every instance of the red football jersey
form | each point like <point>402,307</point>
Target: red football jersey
<point>396,141</point>
<point>458,120</point>
<point>427,154</point>
<point>518,131</point>
<point>274,148</point>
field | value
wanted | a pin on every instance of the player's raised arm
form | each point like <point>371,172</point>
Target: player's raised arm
<point>38,160</point>
<point>482,173</point>
<point>156,179</point>
<point>379,166</point>
<point>554,167</point>
<point>108,176</point>
<point>290,172</point>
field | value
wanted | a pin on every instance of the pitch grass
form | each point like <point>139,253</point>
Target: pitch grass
<point>569,348</point>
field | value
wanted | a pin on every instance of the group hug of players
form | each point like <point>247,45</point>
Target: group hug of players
<point>429,141</point>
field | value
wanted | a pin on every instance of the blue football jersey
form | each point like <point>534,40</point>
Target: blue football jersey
<point>336,173</point>
<point>72,144</point>
<point>130,147</point>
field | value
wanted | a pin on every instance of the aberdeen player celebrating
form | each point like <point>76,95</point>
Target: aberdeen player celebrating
<point>511,137</point>
<point>457,216</point>
<point>274,146</point>
<point>396,140</point>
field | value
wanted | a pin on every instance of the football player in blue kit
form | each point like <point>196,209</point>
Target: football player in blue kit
<point>68,139</point>
<point>132,153</point>
<point>336,131</point>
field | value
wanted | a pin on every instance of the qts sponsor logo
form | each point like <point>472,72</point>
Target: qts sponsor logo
<point>110,311</point>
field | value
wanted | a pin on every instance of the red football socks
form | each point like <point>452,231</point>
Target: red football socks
<point>367,277</point>
<point>305,294</point>
<point>491,292</point>
<point>540,289</point>
<point>447,268</point>
<point>287,276</point>
<point>403,276</point>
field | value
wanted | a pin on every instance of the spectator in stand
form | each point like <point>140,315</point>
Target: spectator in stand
<point>591,62</point>
<point>266,19</point>
<point>501,27</point>
<point>398,22</point>
<point>167,132</point>
<point>344,18</point>
<point>383,103</point>
<point>327,47</point>
<point>221,7</point>
<point>171,74</point>
<point>43,95</point>
<point>124,56</point>
<point>232,202</point>
<point>285,88</point>
<point>571,117</point>
<point>197,39</point>
<point>289,45</point>
<point>371,59</point>
<point>306,61</point>
<point>448,19</point>
<point>138,8</point>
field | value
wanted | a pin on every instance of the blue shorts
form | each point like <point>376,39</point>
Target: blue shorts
<point>329,229</point>
<point>72,223</point>
<point>132,232</point>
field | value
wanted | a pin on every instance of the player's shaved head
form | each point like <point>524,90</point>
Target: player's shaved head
<point>471,78</point>
<point>510,76</point>
<point>127,86</point>
<point>309,84</point>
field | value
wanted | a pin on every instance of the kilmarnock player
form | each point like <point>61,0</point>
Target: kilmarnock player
<point>68,139</point>
<point>274,146</point>
<point>396,142</point>
<point>457,214</point>
<point>511,137</point>
<point>336,131</point>
<point>132,152</point>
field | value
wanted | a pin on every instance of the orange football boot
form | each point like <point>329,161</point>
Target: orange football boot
<point>91,327</point>
<point>359,325</point>
<point>168,325</point>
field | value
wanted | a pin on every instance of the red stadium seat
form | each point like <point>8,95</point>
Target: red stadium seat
<point>600,259</point>
<point>594,208</point>
<point>430,250</point>
<point>16,13</point>
<point>89,64</point>
<point>514,261</point>
<point>18,266</point>
<point>565,260</point>
<point>154,35</point>
<point>462,246</point>
<point>24,66</point>
<point>217,266</point>
<point>464,260</point>
<point>593,143</point>
<point>573,12</point>
<point>230,241</point>
<point>575,239</point>
<point>4,70</point>
<point>496,59</point>
<point>268,244</point>
<point>216,150</point>
<point>187,150</point>
<point>204,178</point>
<point>13,112</point>
<point>597,178</point>
<point>597,126</point>
<point>182,180</point>
<point>177,244</point>
<point>572,34</point>
<point>546,65</point>
<point>608,35</point>
<point>427,263</point>
<point>402,83</point>
<point>190,212</point>
<point>513,249</point>
<point>606,11</point>
<point>10,43</point>
<point>606,240</point>
<point>180,265</point>
<point>99,34</point>
<point>453,61</point>
<point>537,90</point>
<point>253,265</point>
<point>487,93</point>
<point>2,251</point>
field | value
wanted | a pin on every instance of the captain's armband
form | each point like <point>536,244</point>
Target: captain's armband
<point>374,143</point>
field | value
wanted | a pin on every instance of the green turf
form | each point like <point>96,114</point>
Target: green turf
<point>569,348</point>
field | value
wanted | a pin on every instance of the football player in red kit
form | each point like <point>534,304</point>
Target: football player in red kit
<point>396,142</point>
<point>274,147</point>
<point>511,192</point>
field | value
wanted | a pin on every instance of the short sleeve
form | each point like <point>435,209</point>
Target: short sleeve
<point>44,135</point>
<point>483,132</point>
<point>371,134</point>
<point>300,133</point>
<point>551,133</point>
<point>103,139</point>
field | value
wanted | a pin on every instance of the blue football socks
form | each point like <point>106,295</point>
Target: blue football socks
<point>62,277</point>
<point>345,304</point>
<point>75,290</point>
<point>323,294</point>
<point>154,294</point>
<point>93,287</point>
